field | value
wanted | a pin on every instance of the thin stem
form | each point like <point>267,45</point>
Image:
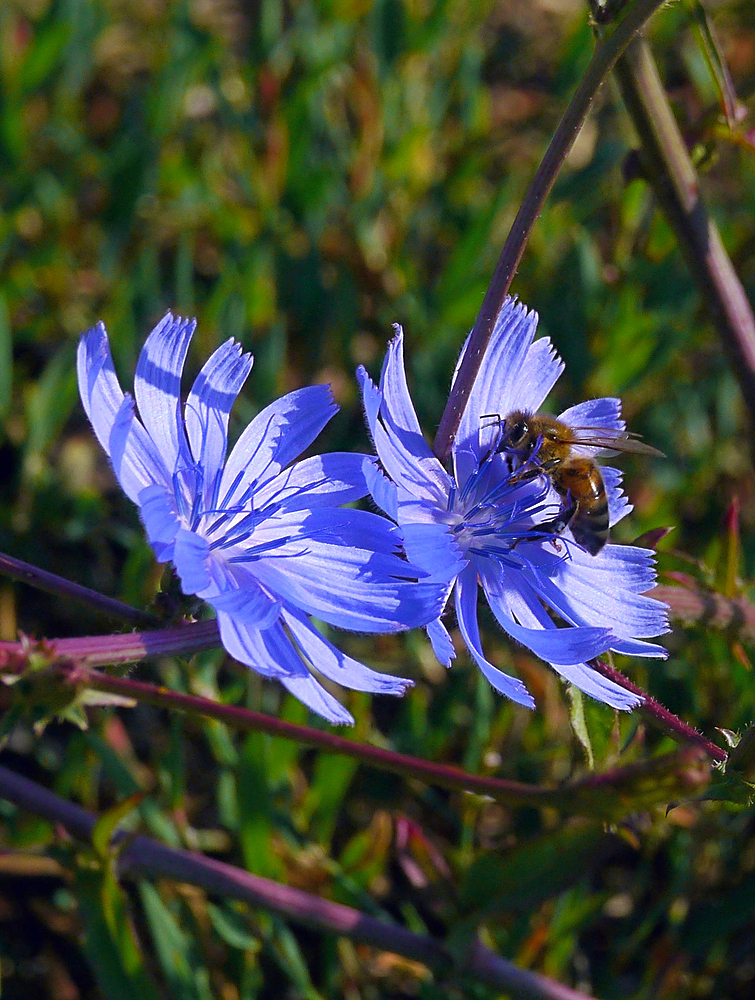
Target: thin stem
<point>610,794</point>
<point>144,857</point>
<point>74,658</point>
<point>603,60</point>
<point>52,584</point>
<point>669,169</point>
<point>654,711</point>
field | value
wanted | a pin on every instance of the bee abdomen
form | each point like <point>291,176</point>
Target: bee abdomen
<point>581,479</point>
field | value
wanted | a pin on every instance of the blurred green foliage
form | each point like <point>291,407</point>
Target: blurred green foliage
<point>300,175</point>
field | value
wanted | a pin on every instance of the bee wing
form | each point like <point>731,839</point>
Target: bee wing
<point>611,440</point>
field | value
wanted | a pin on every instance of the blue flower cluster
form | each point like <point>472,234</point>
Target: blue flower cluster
<point>266,540</point>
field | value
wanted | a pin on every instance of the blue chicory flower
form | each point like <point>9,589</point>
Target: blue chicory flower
<point>481,523</point>
<point>263,541</point>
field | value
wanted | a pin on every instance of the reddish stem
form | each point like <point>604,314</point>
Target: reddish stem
<point>662,716</point>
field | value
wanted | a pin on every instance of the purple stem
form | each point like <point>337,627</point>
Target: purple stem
<point>103,650</point>
<point>661,716</point>
<point>144,857</point>
<point>52,584</point>
<point>603,60</point>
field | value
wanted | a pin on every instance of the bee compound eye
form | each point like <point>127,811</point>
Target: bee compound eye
<point>518,432</point>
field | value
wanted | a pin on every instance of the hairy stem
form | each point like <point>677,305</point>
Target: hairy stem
<point>661,716</point>
<point>581,796</point>
<point>143,857</point>
<point>611,794</point>
<point>603,61</point>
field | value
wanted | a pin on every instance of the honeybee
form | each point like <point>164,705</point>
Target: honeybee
<point>548,443</point>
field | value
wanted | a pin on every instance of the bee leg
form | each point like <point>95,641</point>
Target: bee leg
<point>559,523</point>
<point>525,475</point>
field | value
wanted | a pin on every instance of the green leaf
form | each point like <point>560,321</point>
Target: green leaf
<point>187,978</point>
<point>579,722</point>
<point>49,405</point>
<point>108,822</point>
<point>232,928</point>
<point>716,62</point>
<point>44,55</point>
<point>109,940</point>
<point>537,870</point>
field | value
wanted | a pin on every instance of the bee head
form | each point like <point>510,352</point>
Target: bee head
<point>516,434</point>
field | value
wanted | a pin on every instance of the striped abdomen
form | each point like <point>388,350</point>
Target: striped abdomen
<point>581,481</point>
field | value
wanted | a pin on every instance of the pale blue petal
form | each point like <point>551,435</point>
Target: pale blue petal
<point>135,459</point>
<point>636,647</point>
<point>599,687</point>
<point>347,573</point>
<point>525,621</point>
<point>157,385</point>
<point>191,554</point>
<point>605,590</point>
<point>496,388</point>
<point>383,491</point>
<point>244,644</point>
<point>618,504</point>
<point>466,613</point>
<point>272,654</point>
<point>541,370</point>
<point>157,510</point>
<point>603,413</point>
<point>405,455</point>
<point>314,696</point>
<point>441,642</point>
<point>208,407</point>
<point>434,549</point>
<point>99,388</point>
<point>276,436</point>
<point>249,605</point>
<point>321,481</point>
<point>337,666</point>
<point>396,392</point>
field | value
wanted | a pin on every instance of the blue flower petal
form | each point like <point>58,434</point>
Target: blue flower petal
<point>135,459</point>
<point>99,388</point>
<point>347,573</point>
<point>599,687</point>
<point>190,557</point>
<point>604,590</point>
<point>383,490</point>
<point>276,436</point>
<point>337,666</point>
<point>618,504</point>
<point>466,613</point>
<point>320,481</point>
<point>433,548</point>
<point>271,654</point>
<point>541,370</point>
<point>160,520</point>
<point>496,389</point>
<point>247,604</point>
<point>207,410</point>
<point>603,413</point>
<point>441,642</point>
<point>534,629</point>
<point>157,385</point>
<point>405,455</point>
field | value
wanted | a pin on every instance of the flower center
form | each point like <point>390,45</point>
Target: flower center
<point>497,509</point>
